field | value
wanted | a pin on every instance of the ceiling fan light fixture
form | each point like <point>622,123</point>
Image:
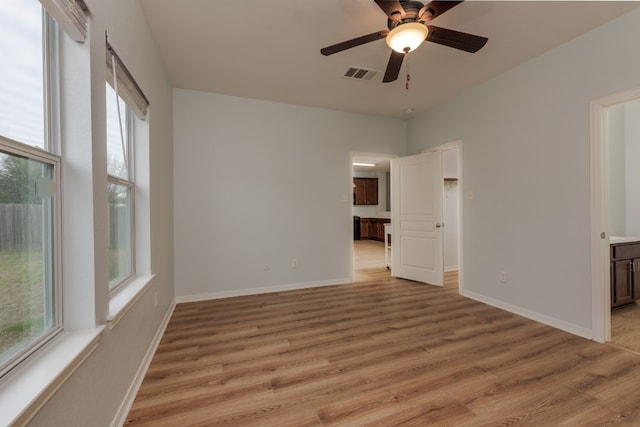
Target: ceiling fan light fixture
<point>407,37</point>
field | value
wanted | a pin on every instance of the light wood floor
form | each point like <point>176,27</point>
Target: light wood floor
<point>625,327</point>
<point>368,261</point>
<point>379,352</point>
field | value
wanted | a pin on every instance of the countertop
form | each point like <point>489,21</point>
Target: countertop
<point>380,215</point>
<point>623,239</point>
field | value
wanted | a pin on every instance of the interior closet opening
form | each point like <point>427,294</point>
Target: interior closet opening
<point>451,215</point>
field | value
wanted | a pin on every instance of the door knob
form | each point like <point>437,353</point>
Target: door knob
<point>438,225</point>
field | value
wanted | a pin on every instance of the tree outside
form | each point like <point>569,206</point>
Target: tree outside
<point>22,287</point>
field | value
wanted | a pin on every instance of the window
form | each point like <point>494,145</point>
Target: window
<point>120,188</point>
<point>127,107</point>
<point>29,213</point>
<point>22,102</point>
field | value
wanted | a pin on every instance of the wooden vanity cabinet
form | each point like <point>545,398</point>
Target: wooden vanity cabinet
<point>625,273</point>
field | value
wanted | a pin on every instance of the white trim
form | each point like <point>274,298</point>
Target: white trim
<point>262,290</point>
<point>126,297</point>
<point>36,380</point>
<point>444,147</point>
<point>599,170</point>
<point>130,396</point>
<point>600,321</point>
<point>451,268</point>
<point>541,318</point>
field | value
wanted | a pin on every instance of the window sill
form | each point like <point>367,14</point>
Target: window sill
<point>126,297</point>
<point>24,391</point>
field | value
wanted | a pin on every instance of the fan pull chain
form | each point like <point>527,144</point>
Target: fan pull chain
<point>406,85</point>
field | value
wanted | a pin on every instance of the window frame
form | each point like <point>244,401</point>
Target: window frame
<point>37,154</point>
<point>131,185</point>
<point>52,95</point>
<point>49,154</point>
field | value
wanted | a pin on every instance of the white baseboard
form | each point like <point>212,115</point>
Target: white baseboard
<point>262,290</point>
<point>533,315</point>
<point>127,402</point>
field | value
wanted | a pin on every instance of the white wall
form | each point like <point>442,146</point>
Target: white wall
<point>450,163</point>
<point>632,167</point>
<point>617,179</point>
<point>94,393</point>
<point>261,183</point>
<point>526,161</point>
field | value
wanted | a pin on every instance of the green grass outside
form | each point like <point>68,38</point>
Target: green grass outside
<point>22,299</point>
<point>24,267</point>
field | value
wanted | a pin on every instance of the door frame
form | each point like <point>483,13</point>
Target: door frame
<point>444,147</point>
<point>599,181</point>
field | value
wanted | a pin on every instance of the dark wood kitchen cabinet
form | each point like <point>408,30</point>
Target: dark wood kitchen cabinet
<point>625,273</point>
<point>365,191</point>
<point>378,232</point>
<point>365,228</point>
<point>372,228</point>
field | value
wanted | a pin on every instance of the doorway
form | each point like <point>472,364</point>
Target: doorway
<point>371,260</point>
<point>608,222</point>
<point>624,228</point>
<point>372,170</point>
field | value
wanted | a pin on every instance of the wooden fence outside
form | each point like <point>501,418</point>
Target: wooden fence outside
<point>20,227</point>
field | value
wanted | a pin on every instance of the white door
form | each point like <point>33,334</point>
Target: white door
<point>416,218</point>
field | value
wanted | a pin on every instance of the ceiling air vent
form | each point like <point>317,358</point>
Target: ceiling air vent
<point>360,73</point>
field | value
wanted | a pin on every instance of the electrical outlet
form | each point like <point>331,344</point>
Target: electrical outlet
<point>294,263</point>
<point>502,276</point>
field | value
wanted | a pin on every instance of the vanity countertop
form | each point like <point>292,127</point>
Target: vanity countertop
<point>622,239</point>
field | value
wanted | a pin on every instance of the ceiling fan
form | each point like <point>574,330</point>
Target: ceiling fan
<point>408,28</point>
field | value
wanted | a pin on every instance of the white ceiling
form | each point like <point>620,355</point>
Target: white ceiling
<point>270,50</point>
<point>382,162</point>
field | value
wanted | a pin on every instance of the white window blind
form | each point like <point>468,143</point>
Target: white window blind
<point>128,89</point>
<point>70,16</point>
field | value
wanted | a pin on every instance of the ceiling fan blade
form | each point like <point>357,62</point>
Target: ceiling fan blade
<point>455,39</point>
<point>392,8</point>
<point>339,47</point>
<point>393,67</point>
<point>435,9</point>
